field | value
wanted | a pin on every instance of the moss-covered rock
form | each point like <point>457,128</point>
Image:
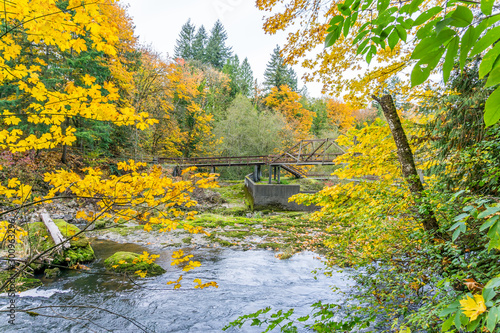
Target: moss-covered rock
<point>21,283</point>
<point>128,265</point>
<point>80,250</point>
<point>52,273</point>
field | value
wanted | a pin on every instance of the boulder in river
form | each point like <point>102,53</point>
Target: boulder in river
<point>128,262</point>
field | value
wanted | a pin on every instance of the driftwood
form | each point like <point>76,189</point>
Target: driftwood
<point>53,230</point>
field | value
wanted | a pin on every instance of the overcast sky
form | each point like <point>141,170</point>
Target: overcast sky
<point>158,22</point>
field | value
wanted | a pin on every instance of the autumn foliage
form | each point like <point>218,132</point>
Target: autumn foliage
<point>286,102</point>
<point>340,114</point>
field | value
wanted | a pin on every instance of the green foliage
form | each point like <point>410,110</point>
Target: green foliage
<point>323,318</point>
<point>248,132</point>
<point>437,38</point>
<point>466,151</point>
<point>278,73</point>
<point>202,48</point>
<point>199,44</point>
<point>184,48</point>
<point>216,52</point>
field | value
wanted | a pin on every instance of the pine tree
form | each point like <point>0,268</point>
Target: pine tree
<point>246,74</point>
<point>278,73</point>
<point>217,52</point>
<point>184,44</point>
<point>232,69</point>
<point>199,44</point>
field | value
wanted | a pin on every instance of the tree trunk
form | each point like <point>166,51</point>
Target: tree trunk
<point>64,156</point>
<point>405,156</point>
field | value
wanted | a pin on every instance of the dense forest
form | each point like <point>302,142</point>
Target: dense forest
<point>412,209</point>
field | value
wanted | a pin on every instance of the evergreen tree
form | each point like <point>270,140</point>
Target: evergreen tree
<point>217,52</point>
<point>232,69</point>
<point>278,73</point>
<point>246,74</point>
<point>199,44</point>
<point>184,44</point>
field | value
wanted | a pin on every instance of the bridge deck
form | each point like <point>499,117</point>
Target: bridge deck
<point>324,159</point>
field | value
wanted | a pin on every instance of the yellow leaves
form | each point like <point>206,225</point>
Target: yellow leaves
<point>13,182</point>
<point>141,273</point>
<point>191,265</point>
<point>131,165</point>
<point>10,118</point>
<point>473,307</point>
<point>178,254</point>
<point>10,231</point>
<point>200,285</point>
<point>188,170</point>
<point>55,30</point>
<point>146,257</point>
<point>177,283</point>
<point>178,258</point>
<point>147,227</point>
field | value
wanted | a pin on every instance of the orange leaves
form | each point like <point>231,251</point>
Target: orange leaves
<point>340,114</point>
<point>286,101</point>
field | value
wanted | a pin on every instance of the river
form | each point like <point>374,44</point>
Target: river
<point>248,281</point>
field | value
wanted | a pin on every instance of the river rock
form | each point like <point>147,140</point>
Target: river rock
<point>52,273</point>
<point>129,266</point>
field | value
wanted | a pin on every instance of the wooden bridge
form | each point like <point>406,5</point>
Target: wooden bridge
<point>305,152</point>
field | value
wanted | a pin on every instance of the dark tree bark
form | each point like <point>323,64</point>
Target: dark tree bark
<point>64,156</point>
<point>405,156</point>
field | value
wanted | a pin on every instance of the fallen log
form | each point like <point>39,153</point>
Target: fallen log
<point>54,230</point>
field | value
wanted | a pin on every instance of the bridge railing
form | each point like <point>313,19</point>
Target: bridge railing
<point>214,161</point>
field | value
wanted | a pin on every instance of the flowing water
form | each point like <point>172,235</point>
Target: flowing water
<point>248,281</point>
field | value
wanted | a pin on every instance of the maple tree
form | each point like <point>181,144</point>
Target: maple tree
<point>340,114</point>
<point>67,29</point>
<point>58,28</point>
<point>438,36</point>
<point>339,68</point>
<point>287,102</point>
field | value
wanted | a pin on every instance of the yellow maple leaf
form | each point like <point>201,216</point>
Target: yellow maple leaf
<point>141,273</point>
<point>473,307</point>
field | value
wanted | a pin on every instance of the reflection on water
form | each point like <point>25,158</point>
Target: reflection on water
<point>248,281</point>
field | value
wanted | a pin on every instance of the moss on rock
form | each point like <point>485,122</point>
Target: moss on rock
<point>21,283</point>
<point>52,273</point>
<point>80,250</point>
<point>129,266</point>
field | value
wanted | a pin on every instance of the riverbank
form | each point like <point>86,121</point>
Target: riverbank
<point>229,223</point>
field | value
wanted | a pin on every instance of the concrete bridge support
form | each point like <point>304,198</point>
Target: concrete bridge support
<point>274,173</point>
<point>257,173</point>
